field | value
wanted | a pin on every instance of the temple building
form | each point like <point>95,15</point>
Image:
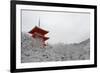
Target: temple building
<point>39,35</point>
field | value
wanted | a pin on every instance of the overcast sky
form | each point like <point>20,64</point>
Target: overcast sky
<point>63,27</point>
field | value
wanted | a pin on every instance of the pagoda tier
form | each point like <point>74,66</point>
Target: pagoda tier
<point>40,36</point>
<point>38,30</point>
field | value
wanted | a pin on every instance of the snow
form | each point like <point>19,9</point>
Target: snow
<point>57,52</point>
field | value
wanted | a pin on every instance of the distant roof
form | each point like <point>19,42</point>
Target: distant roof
<point>38,30</point>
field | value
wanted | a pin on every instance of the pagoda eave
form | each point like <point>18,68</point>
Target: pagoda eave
<point>38,30</point>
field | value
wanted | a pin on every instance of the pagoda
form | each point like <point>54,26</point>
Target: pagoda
<point>39,35</point>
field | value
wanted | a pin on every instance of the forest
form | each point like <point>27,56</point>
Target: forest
<point>56,52</point>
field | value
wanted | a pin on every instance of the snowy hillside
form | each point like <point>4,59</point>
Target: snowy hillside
<point>58,52</point>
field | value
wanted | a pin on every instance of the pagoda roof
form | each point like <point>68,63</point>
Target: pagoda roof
<point>43,37</point>
<point>38,30</point>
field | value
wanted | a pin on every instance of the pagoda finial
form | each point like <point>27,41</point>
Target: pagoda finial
<point>39,22</point>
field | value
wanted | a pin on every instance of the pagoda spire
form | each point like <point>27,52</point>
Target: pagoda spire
<point>39,22</point>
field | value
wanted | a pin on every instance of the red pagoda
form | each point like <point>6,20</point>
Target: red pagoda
<point>39,35</point>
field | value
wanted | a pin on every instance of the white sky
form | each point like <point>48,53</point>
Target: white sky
<point>63,27</point>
